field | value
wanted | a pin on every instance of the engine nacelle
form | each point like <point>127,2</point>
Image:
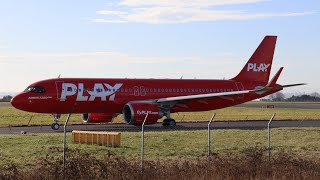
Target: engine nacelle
<point>134,113</point>
<point>97,117</point>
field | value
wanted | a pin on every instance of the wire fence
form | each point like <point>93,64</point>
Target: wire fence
<point>28,142</point>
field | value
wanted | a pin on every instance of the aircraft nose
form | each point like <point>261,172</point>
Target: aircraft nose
<point>16,102</point>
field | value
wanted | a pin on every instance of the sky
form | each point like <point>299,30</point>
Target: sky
<point>203,39</point>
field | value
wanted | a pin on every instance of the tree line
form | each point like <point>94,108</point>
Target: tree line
<point>6,98</point>
<point>279,97</point>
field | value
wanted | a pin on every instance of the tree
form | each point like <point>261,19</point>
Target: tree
<point>315,94</point>
<point>279,96</point>
<point>6,98</point>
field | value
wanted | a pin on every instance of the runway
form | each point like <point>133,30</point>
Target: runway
<point>246,125</point>
<point>315,105</point>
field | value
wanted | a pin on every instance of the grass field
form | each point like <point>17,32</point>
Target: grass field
<point>236,154</point>
<point>24,150</point>
<point>10,116</point>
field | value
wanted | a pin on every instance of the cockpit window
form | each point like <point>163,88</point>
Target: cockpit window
<point>35,89</point>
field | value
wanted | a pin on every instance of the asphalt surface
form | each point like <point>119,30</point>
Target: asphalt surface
<point>245,125</point>
<point>282,105</point>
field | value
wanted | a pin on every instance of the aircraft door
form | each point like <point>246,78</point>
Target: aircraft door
<point>60,89</point>
<point>240,88</point>
<point>142,91</point>
<point>136,90</point>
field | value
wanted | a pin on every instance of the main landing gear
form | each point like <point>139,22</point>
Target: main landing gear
<point>55,125</point>
<point>169,123</point>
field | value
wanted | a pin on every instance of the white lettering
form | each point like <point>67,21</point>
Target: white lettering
<point>143,112</point>
<point>99,91</point>
<point>68,89</point>
<point>258,67</point>
<point>250,66</point>
<point>80,96</point>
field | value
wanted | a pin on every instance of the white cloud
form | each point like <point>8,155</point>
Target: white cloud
<point>106,12</point>
<point>186,3</point>
<point>180,11</point>
<point>25,68</point>
<point>96,59</point>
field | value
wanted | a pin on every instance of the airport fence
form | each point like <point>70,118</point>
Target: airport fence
<point>29,146</point>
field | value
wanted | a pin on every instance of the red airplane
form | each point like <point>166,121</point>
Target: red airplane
<point>100,100</point>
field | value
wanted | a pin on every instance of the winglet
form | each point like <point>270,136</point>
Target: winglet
<point>275,78</point>
<point>272,84</point>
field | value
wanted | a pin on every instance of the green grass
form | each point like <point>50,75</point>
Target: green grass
<point>280,102</point>
<point>24,150</point>
<point>10,116</point>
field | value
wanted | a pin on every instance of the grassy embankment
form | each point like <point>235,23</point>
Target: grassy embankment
<point>10,116</point>
<point>24,150</point>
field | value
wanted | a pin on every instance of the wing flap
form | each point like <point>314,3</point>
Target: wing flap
<point>202,96</point>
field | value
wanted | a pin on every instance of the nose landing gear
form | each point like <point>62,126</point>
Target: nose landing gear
<point>55,125</point>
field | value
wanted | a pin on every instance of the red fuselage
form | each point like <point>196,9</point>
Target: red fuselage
<point>73,95</point>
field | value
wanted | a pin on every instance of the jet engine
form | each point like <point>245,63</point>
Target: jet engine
<point>97,117</point>
<point>134,113</point>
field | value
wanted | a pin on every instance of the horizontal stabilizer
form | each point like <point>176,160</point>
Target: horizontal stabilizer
<point>289,85</point>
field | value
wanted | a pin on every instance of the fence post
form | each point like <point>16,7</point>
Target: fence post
<point>65,145</point>
<point>209,145</point>
<point>269,146</point>
<point>30,120</point>
<point>142,143</point>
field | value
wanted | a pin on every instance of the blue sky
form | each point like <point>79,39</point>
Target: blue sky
<point>155,39</point>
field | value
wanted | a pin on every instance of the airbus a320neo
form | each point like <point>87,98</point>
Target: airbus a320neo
<point>100,100</point>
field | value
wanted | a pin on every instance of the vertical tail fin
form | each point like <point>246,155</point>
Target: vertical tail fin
<point>259,65</point>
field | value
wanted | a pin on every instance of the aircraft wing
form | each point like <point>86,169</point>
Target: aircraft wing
<point>202,96</point>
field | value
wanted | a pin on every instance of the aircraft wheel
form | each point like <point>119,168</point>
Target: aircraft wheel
<point>55,126</point>
<point>172,122</point>
<point>169,122</point>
